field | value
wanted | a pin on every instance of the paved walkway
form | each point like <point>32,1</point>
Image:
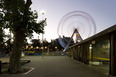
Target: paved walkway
<point>57,66</point>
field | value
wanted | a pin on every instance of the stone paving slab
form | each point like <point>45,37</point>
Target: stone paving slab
<point>57,66</point>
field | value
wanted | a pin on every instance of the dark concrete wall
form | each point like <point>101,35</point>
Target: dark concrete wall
<point>81,50</point>
<point>113,53</point>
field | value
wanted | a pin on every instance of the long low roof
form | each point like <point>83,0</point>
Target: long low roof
<point>102,33</point>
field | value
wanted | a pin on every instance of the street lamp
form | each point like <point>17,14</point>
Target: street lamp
<point>55,47</point>
<point>42,13</point>
<point>90,52</point>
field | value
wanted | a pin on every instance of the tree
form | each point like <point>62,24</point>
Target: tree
<point>1,35</point>
<point>58,45</point>
<point>66,40</point>
<point>36,42</point>
<point>22,22</point>
<point>1,23</point>
<point>55,43</point>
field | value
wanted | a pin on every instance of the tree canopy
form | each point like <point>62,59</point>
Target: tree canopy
<point>22,22</point>
<point>25,19</point>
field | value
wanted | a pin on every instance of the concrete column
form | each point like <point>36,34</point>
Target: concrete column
<point>73,51</point>
<point>0,66</point>
<point>76,52</point>
<point>79,51</point>
<point>83,52</point>
<point>70,53</point>
<point>86,61</point>
<point>113,54</point>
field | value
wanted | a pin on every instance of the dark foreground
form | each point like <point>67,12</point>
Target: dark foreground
<point>57,66</point>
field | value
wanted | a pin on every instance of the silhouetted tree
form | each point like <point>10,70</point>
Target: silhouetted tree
<point>53,44</point>
<point>1,36</point>
<point>1,23</point>
<point>66,40</point>
<point>58,45</point>
<point>22,22</point>
<point>36,42</point>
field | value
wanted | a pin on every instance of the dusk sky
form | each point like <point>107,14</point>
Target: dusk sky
<point>102,11</point>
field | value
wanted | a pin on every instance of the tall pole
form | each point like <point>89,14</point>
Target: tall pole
<point>42,13</point>
<point>42,46</point>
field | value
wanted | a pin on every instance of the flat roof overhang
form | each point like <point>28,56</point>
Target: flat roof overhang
<point>100,34</point>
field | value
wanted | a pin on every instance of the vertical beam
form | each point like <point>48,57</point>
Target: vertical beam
<point>0,66</point>
<point>79,50</point>
<point>80,54</point>
<point>70,52</point>
<point>76,51</point>
<point>86,61</point>
<point>83,53</point>
<point>113,54</point>
<point>73,51</point>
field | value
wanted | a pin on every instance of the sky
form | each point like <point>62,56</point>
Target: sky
<point>102,11</point>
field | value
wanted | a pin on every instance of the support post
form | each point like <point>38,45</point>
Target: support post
<point>112,70</point>
<point>0,67</point>
<point>86,61</point>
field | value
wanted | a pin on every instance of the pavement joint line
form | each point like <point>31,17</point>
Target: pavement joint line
<point>29,71</point>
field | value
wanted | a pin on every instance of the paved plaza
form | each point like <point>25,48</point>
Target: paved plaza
<point>57,66</point>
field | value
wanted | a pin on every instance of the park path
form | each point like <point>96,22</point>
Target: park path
<point>57,66</point>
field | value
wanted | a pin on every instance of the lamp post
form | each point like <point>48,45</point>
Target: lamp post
<point>42,13</point>
<point>90,52</point>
